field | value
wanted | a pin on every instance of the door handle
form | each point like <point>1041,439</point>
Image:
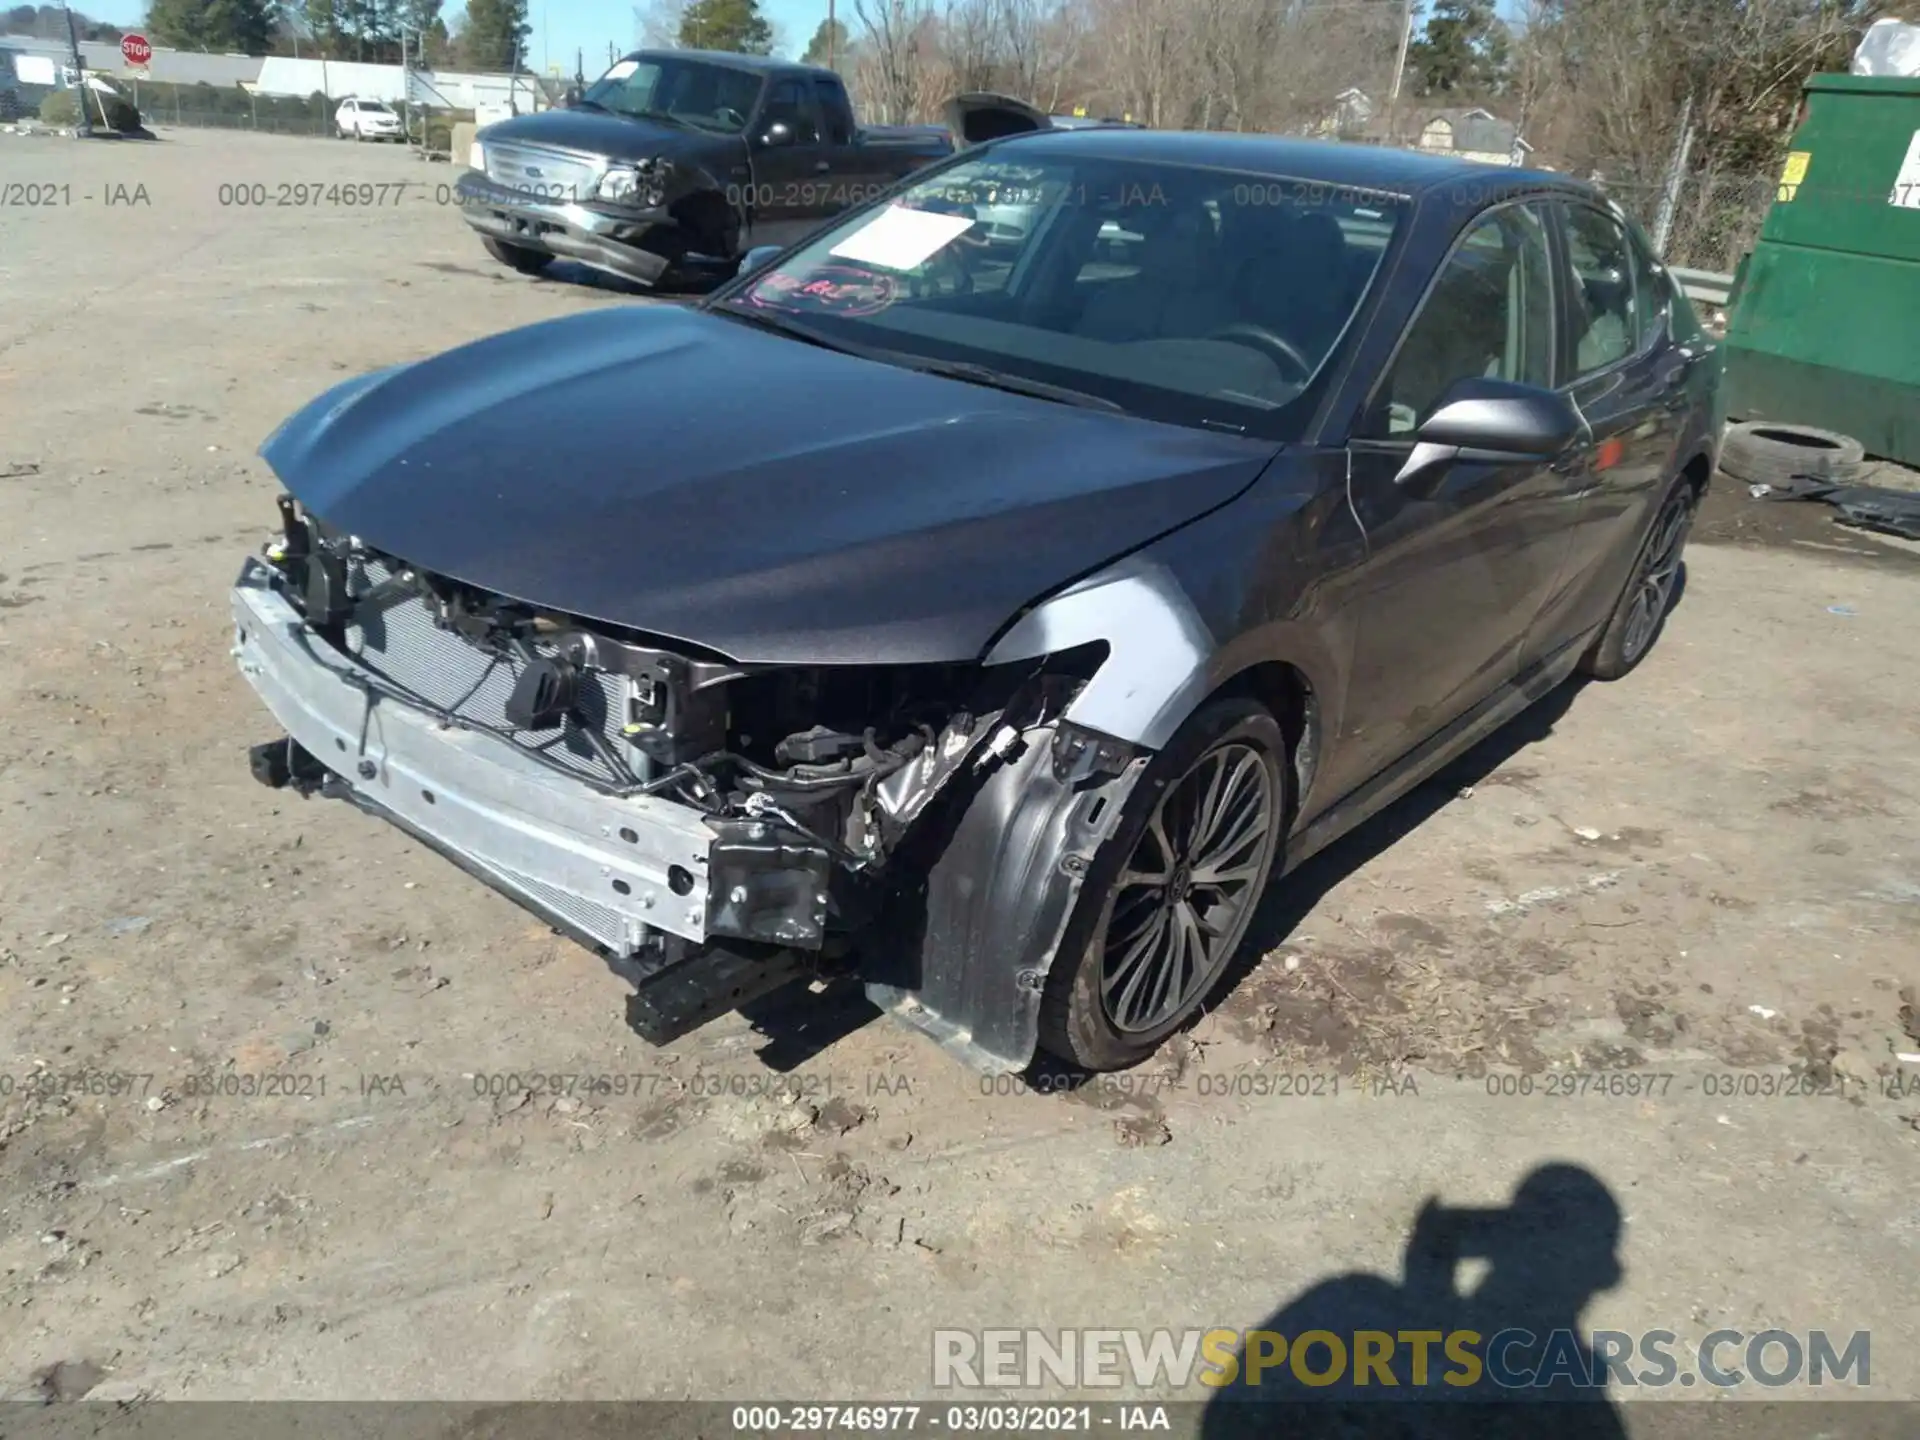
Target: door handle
<point>821,167</point>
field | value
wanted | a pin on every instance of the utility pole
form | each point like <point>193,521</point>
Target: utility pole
<point>408,62</point>
<point>830,34</point>
<point>85,128</point>
<point>1675,177</point>
<point>1399,71</point>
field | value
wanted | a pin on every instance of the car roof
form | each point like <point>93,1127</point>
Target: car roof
<point>1332,162</point>
<point>759,64</point>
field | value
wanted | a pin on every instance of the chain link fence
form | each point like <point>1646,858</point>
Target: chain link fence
<point>209,107</point>
<point>1716,216</point>
<point>228,107</point>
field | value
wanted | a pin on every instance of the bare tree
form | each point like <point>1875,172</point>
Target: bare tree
<point>1595,85</point>
<point>895,51</point>
<point>970,43</point>
<point>1613,76</point>
<point>1143,50</point>
<point>1042,43</point>
<point>656,25</point>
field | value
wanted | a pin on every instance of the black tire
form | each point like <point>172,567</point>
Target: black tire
<point>519,257</point>
<point>1762,452</point>
<point>1229,742</point>
<point>1641,612</point>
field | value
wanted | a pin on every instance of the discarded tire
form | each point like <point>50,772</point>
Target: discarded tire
<point>1768,453</point>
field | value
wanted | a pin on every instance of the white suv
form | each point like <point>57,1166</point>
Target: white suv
<point>367,120</point>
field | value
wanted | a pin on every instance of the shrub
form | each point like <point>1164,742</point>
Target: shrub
<point>59,109</point>
<point>62,108</point>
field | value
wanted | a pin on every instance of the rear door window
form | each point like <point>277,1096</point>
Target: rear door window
<point>1601,289</point>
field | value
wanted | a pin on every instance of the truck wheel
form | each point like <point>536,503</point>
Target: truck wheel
<point>519,257</point>
<point>1766,453</point>
<point>1173,891</point>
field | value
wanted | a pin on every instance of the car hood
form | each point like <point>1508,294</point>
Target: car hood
<point>689,476</point>
<point>593,132</point>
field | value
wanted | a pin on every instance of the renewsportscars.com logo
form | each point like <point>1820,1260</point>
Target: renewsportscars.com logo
<point>1378,1362</point>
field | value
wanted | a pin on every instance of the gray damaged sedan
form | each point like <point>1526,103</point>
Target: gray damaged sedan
<point>991,622</point>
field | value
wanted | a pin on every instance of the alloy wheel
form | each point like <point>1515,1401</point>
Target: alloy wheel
<point>1183,901</point>
<point>1653,587</point>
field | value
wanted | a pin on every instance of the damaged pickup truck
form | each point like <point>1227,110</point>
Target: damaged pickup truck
<point>988,622</point>
<point>677,162</point>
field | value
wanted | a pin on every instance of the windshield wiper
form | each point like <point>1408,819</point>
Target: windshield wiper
<point>664,117</point>
<point>1002,380</point>
<point>966,370</point>
<point>793,329</point>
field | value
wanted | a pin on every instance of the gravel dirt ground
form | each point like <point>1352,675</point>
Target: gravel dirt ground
<point>1630,933</point>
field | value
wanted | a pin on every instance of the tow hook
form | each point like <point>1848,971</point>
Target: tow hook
<point>283,762</point>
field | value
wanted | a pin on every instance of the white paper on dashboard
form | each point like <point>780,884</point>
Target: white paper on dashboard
<point>622,70</point>
<point>899,239</point>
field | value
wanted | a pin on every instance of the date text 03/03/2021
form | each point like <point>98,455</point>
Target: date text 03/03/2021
<point>902,1419</point>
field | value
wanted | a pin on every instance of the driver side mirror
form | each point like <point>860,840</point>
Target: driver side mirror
<point>1492,422</point>
<point>777,134</point>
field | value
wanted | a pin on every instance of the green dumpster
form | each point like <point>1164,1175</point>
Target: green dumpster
<point>1825,328</point>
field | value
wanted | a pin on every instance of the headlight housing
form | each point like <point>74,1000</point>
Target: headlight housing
<point>643,185</point>
<point>477,157</point>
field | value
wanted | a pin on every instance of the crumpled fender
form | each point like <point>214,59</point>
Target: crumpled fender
<point>1008,861</point>
<point>1159,649</point>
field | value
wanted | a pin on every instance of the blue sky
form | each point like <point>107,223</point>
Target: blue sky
<point>562,26</point>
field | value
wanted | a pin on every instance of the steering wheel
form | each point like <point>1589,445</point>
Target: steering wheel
<point>947,274</point>
<point>1270,343</point>
<point>729,116</point>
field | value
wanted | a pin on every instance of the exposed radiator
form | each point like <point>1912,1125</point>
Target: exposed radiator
<point>401,642</point>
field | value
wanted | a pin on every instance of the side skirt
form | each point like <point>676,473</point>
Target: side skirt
<point>1432,754</point>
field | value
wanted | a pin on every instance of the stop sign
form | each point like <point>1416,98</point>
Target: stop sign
<point>135,49</point>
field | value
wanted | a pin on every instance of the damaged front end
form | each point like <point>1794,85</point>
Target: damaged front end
<point>714,830</point>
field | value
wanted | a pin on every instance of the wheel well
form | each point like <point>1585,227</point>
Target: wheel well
<point>706,218</point>
<point>1289,695</point>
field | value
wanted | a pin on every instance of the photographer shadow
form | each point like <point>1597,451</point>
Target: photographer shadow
<point>1548,1253</point>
